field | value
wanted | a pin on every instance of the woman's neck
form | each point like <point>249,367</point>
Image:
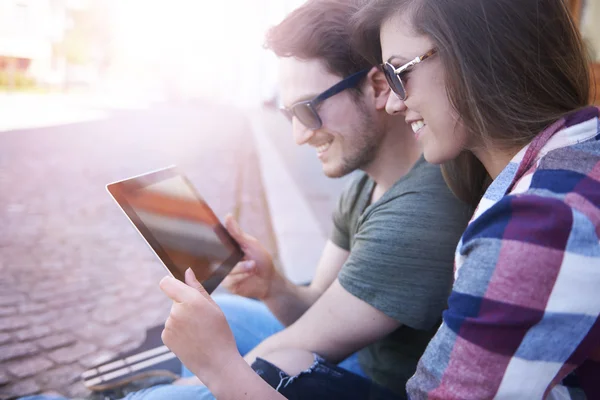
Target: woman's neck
<point>495,159</point>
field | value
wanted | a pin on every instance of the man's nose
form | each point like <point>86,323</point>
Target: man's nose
<point>394,105</point>
<point>302,134</point>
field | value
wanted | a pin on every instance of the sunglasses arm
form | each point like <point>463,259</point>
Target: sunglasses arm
<point>404,67</point>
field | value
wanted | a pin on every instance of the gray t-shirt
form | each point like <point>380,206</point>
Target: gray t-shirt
<point>401,262</point>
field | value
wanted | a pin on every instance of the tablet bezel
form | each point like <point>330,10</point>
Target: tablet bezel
<point>140,181</point>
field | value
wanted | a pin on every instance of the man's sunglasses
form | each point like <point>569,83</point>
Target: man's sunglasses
<point>394,75</point>
<point>306,111</point>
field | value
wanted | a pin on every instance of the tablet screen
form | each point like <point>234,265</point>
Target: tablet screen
<point>178,225</point>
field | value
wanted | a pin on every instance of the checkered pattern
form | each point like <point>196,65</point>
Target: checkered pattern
<point>524,315</point>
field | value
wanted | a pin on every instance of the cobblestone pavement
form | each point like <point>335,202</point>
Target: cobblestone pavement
<point>77,284</point>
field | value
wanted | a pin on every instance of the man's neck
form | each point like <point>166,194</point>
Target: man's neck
<point>398,153</point>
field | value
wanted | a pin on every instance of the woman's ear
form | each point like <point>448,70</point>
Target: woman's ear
<point>380,88</point>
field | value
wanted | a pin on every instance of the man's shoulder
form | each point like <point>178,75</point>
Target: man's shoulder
<point>357,183</point>
<point>425,177</point>
<point>424,189</point>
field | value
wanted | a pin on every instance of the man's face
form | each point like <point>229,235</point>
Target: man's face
<point>351,133</point>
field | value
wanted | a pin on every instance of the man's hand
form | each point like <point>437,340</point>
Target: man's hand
<point>255,276</point>
<point>197,331</point>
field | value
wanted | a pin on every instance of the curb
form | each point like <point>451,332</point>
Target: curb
<point>299,238</point>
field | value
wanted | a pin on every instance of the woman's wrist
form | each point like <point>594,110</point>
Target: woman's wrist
<point>235,380</point>
<point>218,369</point>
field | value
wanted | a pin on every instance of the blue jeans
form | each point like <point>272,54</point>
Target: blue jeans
<point>320,381</point>
<point>251,322</point>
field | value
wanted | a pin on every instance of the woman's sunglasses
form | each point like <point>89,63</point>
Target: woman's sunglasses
<point>306,111</point>
<point>394,75</point>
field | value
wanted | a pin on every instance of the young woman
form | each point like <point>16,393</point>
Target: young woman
<point>500,88</point>
<point>497,91</point>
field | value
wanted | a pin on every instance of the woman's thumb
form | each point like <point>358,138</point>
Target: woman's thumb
<point>192,281</point>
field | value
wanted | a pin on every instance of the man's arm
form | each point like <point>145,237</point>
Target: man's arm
<point>337,325</point>
<point>256,277</point>
<point>288,301</point>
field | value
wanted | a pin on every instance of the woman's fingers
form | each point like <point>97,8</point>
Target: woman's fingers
<point>176,290</point>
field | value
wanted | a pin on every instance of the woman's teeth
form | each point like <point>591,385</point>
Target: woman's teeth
<point>417,125</point>
<point>323,148</point>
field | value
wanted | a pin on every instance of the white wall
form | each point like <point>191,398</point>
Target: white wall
<point>590,26</point>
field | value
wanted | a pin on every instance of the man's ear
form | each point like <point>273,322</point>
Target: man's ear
<point>379,87</point>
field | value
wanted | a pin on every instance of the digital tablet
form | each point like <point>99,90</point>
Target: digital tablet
<point>178,225</point>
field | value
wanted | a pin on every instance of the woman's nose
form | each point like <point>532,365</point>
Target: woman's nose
<point>394,105</point>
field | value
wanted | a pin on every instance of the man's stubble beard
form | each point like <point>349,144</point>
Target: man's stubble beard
<point>363,148</point>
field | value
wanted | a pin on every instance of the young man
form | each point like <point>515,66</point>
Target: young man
<point>383,278</point>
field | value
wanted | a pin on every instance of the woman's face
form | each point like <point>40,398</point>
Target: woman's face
<point>427,107</point>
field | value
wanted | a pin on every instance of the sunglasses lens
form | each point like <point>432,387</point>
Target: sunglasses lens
<point>394,80</point>
<point>307,116</point>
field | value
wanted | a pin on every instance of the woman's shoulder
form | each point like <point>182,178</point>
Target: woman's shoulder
<point>553,206</point>
<point>570,174</point>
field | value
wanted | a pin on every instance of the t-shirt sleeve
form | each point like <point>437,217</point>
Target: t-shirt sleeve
<point>402,257</point>
<point>340,233</point>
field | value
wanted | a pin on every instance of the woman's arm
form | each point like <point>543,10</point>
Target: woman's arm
<point>198,333</point>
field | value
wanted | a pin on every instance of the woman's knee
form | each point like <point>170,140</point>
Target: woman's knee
<point>291,361</point>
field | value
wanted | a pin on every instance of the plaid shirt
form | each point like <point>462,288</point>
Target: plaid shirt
<point>523,317</point>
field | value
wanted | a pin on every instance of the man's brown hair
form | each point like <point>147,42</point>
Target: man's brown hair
<point>320,29</point>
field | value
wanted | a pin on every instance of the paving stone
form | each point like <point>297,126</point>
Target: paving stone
<point>44,318</point>
<point>11,300</point>
<point>56,341</point>
<point>14,350</point>
<point>129,346</point>
<point>97,358</point>
<point>92,330</point>
<point>65,301</point>
<point>71,354</point>
<point>69,322</point>
<point>112,315</point>
<point>7,311</point>
<point>4,379</point>
<point>78,390</point>
<point>33,333</point>
<point>29,366</point>
<point>31,308</point>
<point>12,323</point>
<point>116,339</point>
<point>19,388</point>
<point>60,377</point>
<point>5,338</point>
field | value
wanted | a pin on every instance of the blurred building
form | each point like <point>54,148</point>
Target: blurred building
<point>49,41</point>
<point>590,27</point>
<point>587,15</point>
<point>28,31</point>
